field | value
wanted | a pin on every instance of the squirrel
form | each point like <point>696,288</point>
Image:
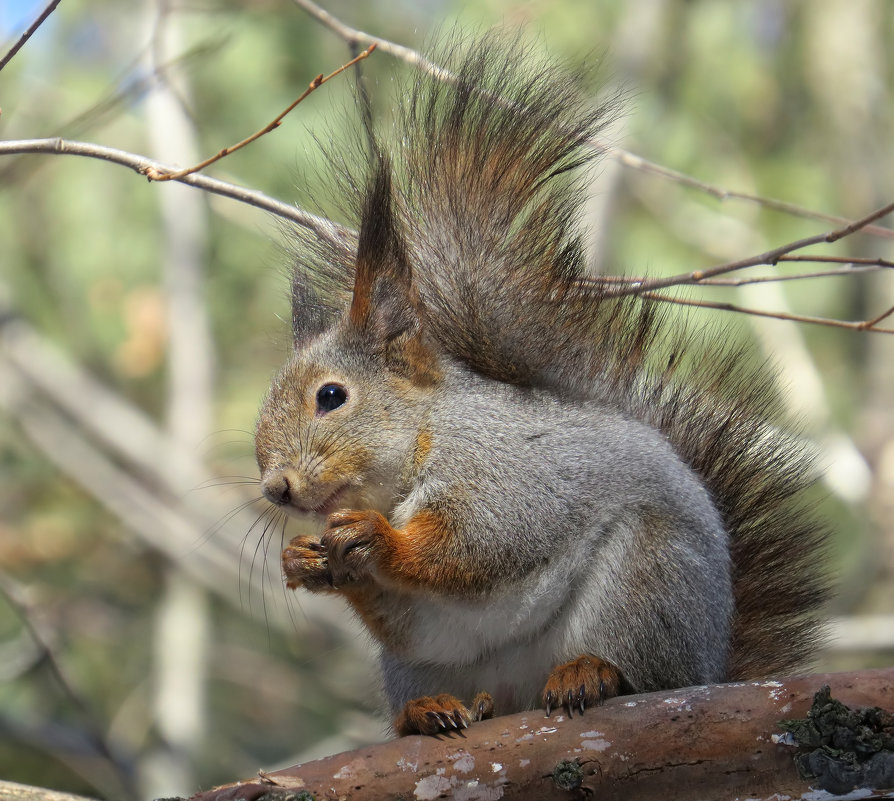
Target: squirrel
<point>531,489</point>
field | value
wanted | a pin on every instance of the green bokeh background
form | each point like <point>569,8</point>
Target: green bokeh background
<point>789,100</point>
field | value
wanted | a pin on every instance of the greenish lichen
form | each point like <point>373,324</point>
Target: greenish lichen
<point>286,795</point>
<point>568,775</point>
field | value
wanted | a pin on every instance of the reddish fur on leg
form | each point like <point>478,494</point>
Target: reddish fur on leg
<point>362,541</point>
<point>585,681</point>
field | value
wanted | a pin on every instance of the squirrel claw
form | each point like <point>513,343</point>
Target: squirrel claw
<point>437,715</point>
<point>305,564</point>
<point>585,680</point>
<point>349,541</point>
<point>483,704</point>
<point>441,721</point>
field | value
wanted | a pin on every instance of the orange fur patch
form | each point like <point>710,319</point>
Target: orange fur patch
<point>362,298</point>
<point>365,601</point>
<point>420,556</point>
<point>423,448</point>
<point>420,362</point>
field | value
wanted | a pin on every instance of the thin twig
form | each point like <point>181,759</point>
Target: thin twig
<point>128,87</point>
<point>840,260</point>
<point>773,279</point>
<point>871,324</point>
<point>862,266</point>
<point>635,162</point>
<point>350,35</point>
<point>770,257</point>
<point>861,325</point>
<point>27,34</point>
<point>154,175</point>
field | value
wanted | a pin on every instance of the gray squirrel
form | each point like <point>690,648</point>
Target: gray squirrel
<point>532,491</point>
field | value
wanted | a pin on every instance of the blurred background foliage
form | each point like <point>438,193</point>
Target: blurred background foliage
<point>146,646</point>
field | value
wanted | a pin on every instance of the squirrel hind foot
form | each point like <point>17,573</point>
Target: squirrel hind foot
<point>585,681</point>
<point>441,714</point>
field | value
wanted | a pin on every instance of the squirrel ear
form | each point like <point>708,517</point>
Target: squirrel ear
<point>384,301</point>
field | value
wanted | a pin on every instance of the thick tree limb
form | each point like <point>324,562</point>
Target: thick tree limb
<point>703,742</point>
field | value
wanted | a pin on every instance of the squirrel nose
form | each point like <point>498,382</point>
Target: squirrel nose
<point>278,487</point>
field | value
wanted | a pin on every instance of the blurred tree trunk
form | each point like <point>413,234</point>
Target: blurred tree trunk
<point>847,49</point>
<point>182,618</point>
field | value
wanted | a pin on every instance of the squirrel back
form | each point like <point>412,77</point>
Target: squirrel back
<point>469,263</point>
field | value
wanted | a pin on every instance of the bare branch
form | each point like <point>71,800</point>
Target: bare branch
<point>51,7</point>
<point>840,259</point>
<point>776,279</point>
<point>154,175</point>
<point>644,165</point>
<point>352,35</point>
<point>861,325</point>
<point>326,229</point>
<point>859,266</point>
<point>333,232</point>
<point>770,257</point>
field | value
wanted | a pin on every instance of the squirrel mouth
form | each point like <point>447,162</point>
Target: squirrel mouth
<point>326,507</point>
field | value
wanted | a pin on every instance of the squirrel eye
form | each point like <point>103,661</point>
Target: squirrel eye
<point>330,396</point>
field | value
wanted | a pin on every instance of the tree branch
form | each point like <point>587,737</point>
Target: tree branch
<point>333,232</point>
<point>856,325</point>
<point>155,175</point>
<point>353,35</point>
<point>27,34</point>
<point>769,257</point>
<point>326,229</point>
<point>699,742</point>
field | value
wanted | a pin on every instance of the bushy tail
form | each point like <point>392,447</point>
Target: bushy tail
<point>488,205</point>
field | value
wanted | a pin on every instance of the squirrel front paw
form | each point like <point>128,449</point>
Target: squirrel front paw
<point>585,681</point>
<point>441,713</point>
<point>306,564</point>
<point>350,539</point>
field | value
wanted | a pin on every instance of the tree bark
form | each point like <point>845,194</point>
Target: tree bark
<point>700,742</point>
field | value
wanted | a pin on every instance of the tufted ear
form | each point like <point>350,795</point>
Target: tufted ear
<point>385,303</point>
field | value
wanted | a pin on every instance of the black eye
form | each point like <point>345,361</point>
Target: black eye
<point>330,396</point>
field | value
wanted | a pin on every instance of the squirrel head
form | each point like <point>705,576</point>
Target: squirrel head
<point>342,422</point>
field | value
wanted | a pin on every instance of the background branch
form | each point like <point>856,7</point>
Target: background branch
<point>50,8</point>
<point>316,83</point>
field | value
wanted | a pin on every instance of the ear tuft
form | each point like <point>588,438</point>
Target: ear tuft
<point>384,301</point>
